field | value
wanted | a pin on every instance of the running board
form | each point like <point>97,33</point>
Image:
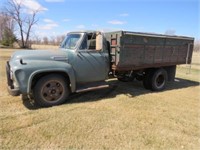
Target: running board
<point>90,88</point>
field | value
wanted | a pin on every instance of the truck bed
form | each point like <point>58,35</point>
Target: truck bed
<point>134,50</point>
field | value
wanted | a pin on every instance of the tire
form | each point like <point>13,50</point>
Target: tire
<point>24,97</point>
<point>51,90</point>
<point>158,80</point>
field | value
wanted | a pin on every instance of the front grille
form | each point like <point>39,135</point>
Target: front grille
<point>9,81</point>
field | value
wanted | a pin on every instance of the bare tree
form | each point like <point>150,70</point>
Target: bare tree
<point>25,21</point>
<point>197,46</point>
<point>59,39</point>
<point>45,40</point>
<point>37,40</point>
<point>52,40</point>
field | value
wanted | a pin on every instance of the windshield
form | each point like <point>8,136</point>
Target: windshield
<point>70,41</point>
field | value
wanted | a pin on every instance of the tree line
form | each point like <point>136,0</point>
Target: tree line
<point>16,26</point>
<point>8,37</point>
<point>197,46</point>
<point>14,21</point>
<point>53,40</point>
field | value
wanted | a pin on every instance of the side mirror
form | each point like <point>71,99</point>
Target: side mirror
<point>99,42</point>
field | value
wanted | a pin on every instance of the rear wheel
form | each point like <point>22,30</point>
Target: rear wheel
<point>51,90</point>
<point>159,80</point>
<point>155,79</point>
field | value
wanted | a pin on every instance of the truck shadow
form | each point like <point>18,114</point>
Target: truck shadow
<point>131,89</point>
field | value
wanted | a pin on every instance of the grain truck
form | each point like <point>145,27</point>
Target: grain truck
<point>86,59</point>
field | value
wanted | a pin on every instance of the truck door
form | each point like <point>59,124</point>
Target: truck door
<point>91,61</point>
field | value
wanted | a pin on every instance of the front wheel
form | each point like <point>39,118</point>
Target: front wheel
<point>51,90</point>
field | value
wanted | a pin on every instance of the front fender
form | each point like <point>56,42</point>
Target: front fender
<point>56,66</point>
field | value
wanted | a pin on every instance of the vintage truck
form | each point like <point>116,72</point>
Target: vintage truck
<point>86,59</point>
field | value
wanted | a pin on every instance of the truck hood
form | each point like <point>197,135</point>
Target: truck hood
<point>39,55</point>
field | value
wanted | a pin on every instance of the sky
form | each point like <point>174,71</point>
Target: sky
<point>57,17</point>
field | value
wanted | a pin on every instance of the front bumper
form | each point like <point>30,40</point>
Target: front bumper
<point>11,89</point>
<point>13,92</point>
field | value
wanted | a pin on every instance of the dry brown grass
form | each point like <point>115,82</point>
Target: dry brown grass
<point>124,116</point>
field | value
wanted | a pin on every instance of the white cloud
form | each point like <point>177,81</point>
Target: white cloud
<point>80,26</point>
<point>41,34</point>
<point>48,20</point>
<point>56,1</point>
<point>124,15</point>
<point>49,25</point>
<point>31,5</point>
<point>116,22</point>
<point>66,20</point>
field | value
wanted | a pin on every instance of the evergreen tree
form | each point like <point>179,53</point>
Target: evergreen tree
<point>8,38</point>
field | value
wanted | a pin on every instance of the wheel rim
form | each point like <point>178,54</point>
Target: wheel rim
<point>160,80</point>
<point>52,91</point>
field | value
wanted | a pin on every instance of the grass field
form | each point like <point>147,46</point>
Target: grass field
<point>124,116</point>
